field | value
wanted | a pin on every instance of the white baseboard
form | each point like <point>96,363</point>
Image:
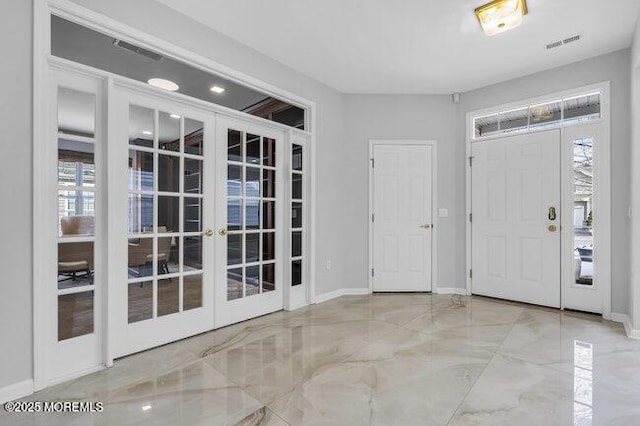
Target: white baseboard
<point>340,292</point>
<point>451,290</point>
<point>16,391</point>
<point>626,321</point>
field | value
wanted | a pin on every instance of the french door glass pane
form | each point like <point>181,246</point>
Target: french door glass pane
<point>169,132</point>
<point>192,176</point>
<point>76,164</point>
<point>140,212</point>
<point>192,249</point>
<point>140,171</point>
<point>296,215</point>
<point>141,126</point>
<point>253,149</point>
<point>140,301</point>
<point>268,277</point>
<point>76,112</point>
<point>140,257</point>
<point>252,248</point>
<point>235,146</point>
<point>192,293</point>
<point>193,137</point>
<point>168,173</point>
<point>252,284</point>
<point>583,210</point>
<point>168,213</point>
<point>296,272</point>
<point>75,264</point>
<point>234,284</point>
<point>168,296</point>
<point>192,214</point>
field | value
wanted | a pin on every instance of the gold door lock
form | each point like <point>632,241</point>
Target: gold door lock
<point>222,232</point>
<point>426,226</point>
<point>208,233</point>
<point>552,228</point>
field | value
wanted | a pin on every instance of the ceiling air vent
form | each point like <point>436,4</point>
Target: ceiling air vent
<point>567,40</point>
<point>136,49</point>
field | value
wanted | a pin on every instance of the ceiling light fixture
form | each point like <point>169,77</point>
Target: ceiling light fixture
<point>176,116</point>
<point>501,15</point>
<point>147,132</point>
<point>217,89</point>
<point>163,84</point>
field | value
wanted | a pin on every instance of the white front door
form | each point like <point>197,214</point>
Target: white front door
<point>516,218</point>
<point>402,217</point>
<point>161,197</point>
<point>250,232</point>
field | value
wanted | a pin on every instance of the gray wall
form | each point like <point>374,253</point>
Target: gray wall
<point>15,193</point>
<point>182,31</point>
<point>614,67</point>
<point>401,117</point>
<point>634,299</point>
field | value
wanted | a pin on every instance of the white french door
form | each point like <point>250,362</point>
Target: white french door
<point>250,232</point>
<point>402,220</point>
<point>516,218</point>
<point>161,255</point>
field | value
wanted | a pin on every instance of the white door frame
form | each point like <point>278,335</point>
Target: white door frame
<point>434,206</point>
<point>602,180</point>
<point>42,59</point>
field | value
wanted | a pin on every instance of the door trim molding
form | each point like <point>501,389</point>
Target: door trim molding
<point>602,169</point>
<point>434,204</point>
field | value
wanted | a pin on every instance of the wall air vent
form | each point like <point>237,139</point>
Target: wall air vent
<point>136,49</point>
<point>554,45</point>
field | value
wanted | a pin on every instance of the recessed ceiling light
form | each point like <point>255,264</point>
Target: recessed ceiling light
<point>217,89</point>
<point>163,84</point>
<point>147,132</point>
<point>501,15</point>
<point>176,116</point>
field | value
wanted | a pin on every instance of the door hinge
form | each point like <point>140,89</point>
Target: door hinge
<point>373,217</point>
<point>373,272</point>
<point>471,161</point>
<point>470,217</point>
<point>373,163</point>
<point>470,273</point>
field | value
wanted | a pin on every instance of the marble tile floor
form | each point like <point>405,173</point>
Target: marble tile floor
<point>384,359</point>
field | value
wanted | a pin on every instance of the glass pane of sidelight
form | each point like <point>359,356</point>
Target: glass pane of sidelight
<point>141,126</point>
<point>252,284</point>
<point>296,244</point>
<point>268,152</point>
<point>268,246</point>
<point>234,249</point>
<point>268,277</point>
<point>234,146</point>
<point>76,210</point>
<point>193,136</point>
<point>75,264</point>
<point>140,171</point>
<point>75,315</point>
<point>583,210</point>
<point>192,292</point>
<point>192,214</point>
<point>296,157</point>
<point>296,186</point>
<point>296,272</point>
<point>140,301</point>
<point>140,257</point>
<point>192,253</point>
<point>234,284</point>
<point>76,112</point>
<point>296,215</point>
<point>76,165</point>
<point>168,173</point>
<point>253,149</point>
<point>168,296</point>
<point>140,213</point>
<point>169,131</point>
<point>192,176</point>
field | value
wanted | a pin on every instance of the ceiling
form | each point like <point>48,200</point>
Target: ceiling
<point>414,46</point>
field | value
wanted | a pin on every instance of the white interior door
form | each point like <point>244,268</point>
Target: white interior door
<point>581,286</point>
<point>161,156</point>
<point>402,217</point>
<point>250,231</point>
<point>516,218</point>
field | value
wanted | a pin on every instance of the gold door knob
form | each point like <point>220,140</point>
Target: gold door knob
<point>208,233</point>
<point>552,228</point>
<point>222,232</point>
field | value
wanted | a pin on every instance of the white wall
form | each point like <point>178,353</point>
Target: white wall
<point>15,193</point>
<point>169,25</point>
<point>634,281</point>
<point>613,67</point>
<point>400,117</point>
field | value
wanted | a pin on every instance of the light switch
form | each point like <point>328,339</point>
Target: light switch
<point>443,212</point>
